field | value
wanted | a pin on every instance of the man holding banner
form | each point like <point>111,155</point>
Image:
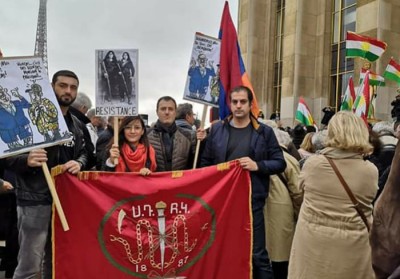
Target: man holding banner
<point>34,202</point>
<point>174,146</point>
<point>242,137</point>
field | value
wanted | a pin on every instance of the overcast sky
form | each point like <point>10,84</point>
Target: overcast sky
<point>162,31</point>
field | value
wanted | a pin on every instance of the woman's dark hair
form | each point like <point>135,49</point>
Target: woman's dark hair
<point>121,136</point>
<point>129,57</point>
<point>114,57</point>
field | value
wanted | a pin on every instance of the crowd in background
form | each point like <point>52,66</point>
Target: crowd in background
<point>313,190</point>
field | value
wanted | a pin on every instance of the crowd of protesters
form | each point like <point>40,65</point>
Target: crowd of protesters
<point>313,191</point>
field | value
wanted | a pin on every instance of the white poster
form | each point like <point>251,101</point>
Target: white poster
<point>30,116</point>
<point>116,82</point>
<point>202,84</point>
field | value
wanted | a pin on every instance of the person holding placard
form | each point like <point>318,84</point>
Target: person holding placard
<point>34,201</point>
<point>174,146</point>
<point>133,152</point>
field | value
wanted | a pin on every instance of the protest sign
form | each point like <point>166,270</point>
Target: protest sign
<point>202,83</point>
<point>116,82</point>
<point>30,116</point>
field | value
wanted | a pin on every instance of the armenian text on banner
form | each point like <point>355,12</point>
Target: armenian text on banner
<point>190,224</point>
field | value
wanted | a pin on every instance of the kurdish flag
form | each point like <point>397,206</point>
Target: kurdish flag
<point>392,71</point>
<point>303,114</point>
<point>349,96</point>
<point>363,46</point>
<point>361,105</point>
<point>232,70</point>
<point>374,79</point>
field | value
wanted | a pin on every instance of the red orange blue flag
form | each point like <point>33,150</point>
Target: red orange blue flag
<point>232,70</point>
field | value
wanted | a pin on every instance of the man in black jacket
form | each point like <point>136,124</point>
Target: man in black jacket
<point>241,137</point>
<point>33,195</point>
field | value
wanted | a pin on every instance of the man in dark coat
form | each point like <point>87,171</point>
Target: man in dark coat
<point>34,201</point>
<point>385,232</point>
<point>242,137</point>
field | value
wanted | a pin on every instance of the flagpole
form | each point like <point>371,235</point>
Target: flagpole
<point>116,135</point>
<point>338,56</point>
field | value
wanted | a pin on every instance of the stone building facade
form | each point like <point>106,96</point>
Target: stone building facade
<point>290,49</point>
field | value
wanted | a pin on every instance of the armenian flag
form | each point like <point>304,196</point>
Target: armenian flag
<point>392,71</point>
<point>232,70</point>
<point>364,47</point>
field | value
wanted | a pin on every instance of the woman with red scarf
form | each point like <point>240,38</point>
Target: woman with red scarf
<point>133,152</point>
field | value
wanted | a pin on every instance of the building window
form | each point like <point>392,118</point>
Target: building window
<point>343,19</point>
<point>280,14</point>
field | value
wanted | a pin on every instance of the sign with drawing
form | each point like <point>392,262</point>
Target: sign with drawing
<point>116,82</point>
<point>30,116</point>
<point>202,83</point>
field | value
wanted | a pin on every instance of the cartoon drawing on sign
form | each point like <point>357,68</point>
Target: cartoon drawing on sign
<point>30,116</point>
<point>200,76</point>
<point>44,114</point>
<point>202,82</point>
<point>15,129</point>
<point>214,86</point>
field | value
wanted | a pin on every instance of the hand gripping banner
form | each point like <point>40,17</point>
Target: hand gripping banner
<point>188,224</point>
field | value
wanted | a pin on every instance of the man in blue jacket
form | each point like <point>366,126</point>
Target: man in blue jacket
<point>242,137</point>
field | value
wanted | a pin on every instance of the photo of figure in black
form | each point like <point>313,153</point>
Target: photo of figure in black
<point>111,75</point>
<point>128,73</point>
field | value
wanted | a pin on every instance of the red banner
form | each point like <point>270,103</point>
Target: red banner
<point>190,224</point>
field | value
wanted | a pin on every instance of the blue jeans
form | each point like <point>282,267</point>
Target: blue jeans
<point>262,268</point>
<point>35,242</point>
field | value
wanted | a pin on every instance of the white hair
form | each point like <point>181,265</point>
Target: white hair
<point>282,137</point>
<point>383,127</point>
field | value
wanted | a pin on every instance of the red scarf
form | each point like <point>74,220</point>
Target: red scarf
<point>134,161</point>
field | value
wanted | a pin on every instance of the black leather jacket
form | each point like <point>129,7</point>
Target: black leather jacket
<point>31,185</point>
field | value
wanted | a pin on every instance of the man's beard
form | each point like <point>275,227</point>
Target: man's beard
<point>65,103</point>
